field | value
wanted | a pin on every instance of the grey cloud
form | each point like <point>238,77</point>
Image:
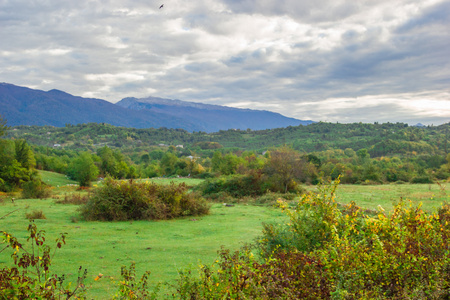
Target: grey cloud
<point>191,51</point>
<point>303,11</point>
<point>438,14</point>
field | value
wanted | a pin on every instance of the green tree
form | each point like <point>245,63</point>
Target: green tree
<point>24,155</point>
<point>16,164</point>
<point>226,165</point>
<point>83,169</point>
<point>230,164</point>
<point>363,154</point>
<point>145,158</point>
<point>216,161</point>
<point>108,161</point>
<point>3,127</point>
<point>168,162</point>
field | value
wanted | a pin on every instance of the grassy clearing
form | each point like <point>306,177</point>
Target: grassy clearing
<point>55,179</point>
<point>59,180</point>
<point>187,181</point>
<point>370,196</point>
<point>162,247</point>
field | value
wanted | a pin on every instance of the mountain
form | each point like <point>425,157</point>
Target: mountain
<point>25,106</point>
<point>213,117</point>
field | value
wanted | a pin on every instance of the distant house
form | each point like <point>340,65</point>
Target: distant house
<point>179,146</point>
<point>56,145</point>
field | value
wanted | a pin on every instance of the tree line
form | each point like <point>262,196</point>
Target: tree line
<point>382,153</point>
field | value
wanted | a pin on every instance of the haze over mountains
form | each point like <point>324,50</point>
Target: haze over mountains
<point>25,106</point>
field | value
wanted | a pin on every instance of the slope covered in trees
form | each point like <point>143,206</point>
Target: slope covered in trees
<point>360,153</point>
<point>379,139</point>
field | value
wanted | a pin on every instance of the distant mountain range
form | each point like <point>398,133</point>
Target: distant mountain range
<point>25,106</point>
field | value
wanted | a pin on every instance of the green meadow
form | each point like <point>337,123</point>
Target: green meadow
<point>431,196</point>
<point>162,247</point>
<point>166,247</point>
<point>55,179</point>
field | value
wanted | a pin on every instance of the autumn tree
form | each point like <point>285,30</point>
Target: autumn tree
<point>283,167</point>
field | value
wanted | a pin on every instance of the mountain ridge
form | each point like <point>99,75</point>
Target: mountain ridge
<point>26,106</point>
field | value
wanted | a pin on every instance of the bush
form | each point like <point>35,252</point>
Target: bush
<point>120,200</point>
<point>402,255</point>
<point>76,199</point>
<point>240,275</point>
<point>35,189</point>
<point>130,288</point>
<point>253,184</point>
<point>236,185</point>
<point>36,215</point>
<point>422,179</point>
<point>324,252</point>
<point>312,223</point>
<point>272,198</point>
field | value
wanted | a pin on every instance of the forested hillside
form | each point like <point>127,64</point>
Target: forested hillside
<point>359,153</point>
<point>378,139</point>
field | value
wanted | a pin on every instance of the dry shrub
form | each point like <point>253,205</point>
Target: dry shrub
<point>76,199</point>
<point>120,200</point>
<point>35,215</point>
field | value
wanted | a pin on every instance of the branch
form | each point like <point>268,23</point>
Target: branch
<point>10,213</point>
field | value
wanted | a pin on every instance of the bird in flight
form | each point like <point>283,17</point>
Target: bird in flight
<point>162,5</point>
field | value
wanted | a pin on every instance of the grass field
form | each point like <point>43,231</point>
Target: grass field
<point>55,179</point>
<point>162,247</point>
<point>370,196</point>
<point>187,181</point>
<point>165,247</point>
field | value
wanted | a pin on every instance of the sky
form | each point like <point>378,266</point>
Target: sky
<point>323,60</point>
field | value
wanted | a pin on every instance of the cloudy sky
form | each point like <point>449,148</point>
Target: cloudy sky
<point>323,60</point>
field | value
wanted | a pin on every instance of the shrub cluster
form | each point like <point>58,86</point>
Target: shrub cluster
<point>35,189</point>
<point>253,184</point>
<point>240,275</point>
<point>77,199</point>
<point>327,252</point>
<point>129,200</point>
<point>35,215</point>
<point>234,185</point>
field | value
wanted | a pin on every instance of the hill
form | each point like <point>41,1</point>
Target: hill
<point>25,106</point>
<point>378,139</point>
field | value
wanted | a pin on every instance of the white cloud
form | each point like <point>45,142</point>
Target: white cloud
<point>409,108</point>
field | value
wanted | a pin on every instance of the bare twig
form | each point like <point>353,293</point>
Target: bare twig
<point>9,213</point>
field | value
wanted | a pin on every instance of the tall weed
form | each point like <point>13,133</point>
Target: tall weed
<point>29,276</point>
